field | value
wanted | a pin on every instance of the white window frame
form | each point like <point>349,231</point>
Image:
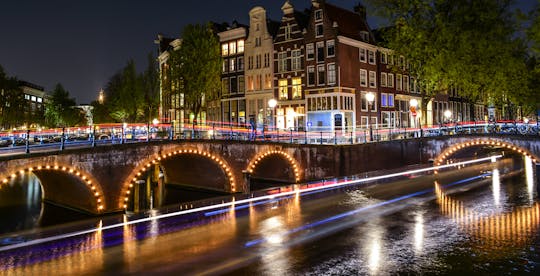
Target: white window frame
<point>310,48</point>
<point>390,82</point>
<point>329,72</point>
<point>383,79</point>
<point>372,79</point>
<point>328,44</point>
<point>319,83</point>
<point>363,73</point>
<point>362,53</point>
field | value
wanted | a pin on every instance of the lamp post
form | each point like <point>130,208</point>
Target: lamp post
<point>272,104</point>
<point>370,97</point>
<point>413,105</point>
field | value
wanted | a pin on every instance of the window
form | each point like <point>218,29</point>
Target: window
<point>232,48</point>
<point>296,59</point>
<point>320,51</point>
<point>318,15</point>
<point>384,99</point>
<point>241,84</point>
<point>240,65</point>
<point>311,75</point>
<point>320,75</point>
<point>398,82</point>
<point>319,30</point>
<point>364,35</point>
<point>257,40</point>
<point>363,77</point>
<point>390,80</point>
<point>225,49</point>
<point>282,89</point>
<point>258,82</point>
<point>372,79</point>
<point>296,88</point>
<point>250,84</point>
<point>39,100</point>
<point>383,58</point>
<point>234,85</point>
<point>232,65</point>
<point>258,61</point>
<point>331,73</point>
<point>225,66</point>
<point>330,48</point>
<point>282,62</point>
<point>240,46</point>
<point>391,59</point>
<point>406,83</point>
<point>362,55</point>
<point>371,57</point>
<point>267,60</point>
<point>383,79</point>
<point>402,62</point>
<point>288,32</point>
<point>268,81</point>
<point>225,86</point>
<point>250,62</point>
<point>413,85</point>
<point>390,100</point>
<point>310,51</point>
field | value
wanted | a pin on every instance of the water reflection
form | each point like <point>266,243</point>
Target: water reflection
<point>529,176</point>
<point>515,228</point>
<point>418,233</point>
<point>496,187</point>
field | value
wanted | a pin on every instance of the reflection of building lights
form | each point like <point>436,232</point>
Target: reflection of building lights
<point>529,174</point>
<point>374,255</point>
<point>418,232</point>
<point>496,187</point>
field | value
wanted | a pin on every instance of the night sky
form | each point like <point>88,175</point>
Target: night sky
<point>81,44</point>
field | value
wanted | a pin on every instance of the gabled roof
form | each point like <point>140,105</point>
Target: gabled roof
<point>273,27</point>
<point>163,42</point>
<point>350,23</point>
<point>302,18</point>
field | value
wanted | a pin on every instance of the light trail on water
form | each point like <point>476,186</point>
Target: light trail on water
<point>268,198</point>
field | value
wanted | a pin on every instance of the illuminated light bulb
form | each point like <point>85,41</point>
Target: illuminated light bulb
<point>99,200</point>
<point>13,175</point>
<point>21,171</point>
<point>134,179</point>
<point>96,194</point>
<point>5,180</point>
<point>125,199</point>
<point>64,168</point>
<point>77,173</point>
<point>94,188</point>
<point>138,174</point>
<point>143,169</point>
<point>125,206</point>
<point>84,177</point>
<point>89,182</point>
<point>128,192</point>
<point>131,185</point>
<point>56,167</point>
<point>47,167</point>
<point>70,170</point>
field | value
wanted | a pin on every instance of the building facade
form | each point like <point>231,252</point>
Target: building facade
<point>232,98</point>
<point>259,71</point>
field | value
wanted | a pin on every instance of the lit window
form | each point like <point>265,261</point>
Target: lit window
<point>282,62</point>
<point>296,88</point>
<point>232,48</point>
<point>390,100</point>
<point>232,65</point>
<point>390,80</point>
<point>240,64</point>
<point>282,89</point>
<point>241,84</point>
<point>240,46</point>
<point>384,100</point>
<point>383,58</point>
<point>225,49</point>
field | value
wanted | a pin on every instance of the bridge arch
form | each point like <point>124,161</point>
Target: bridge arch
<point>139,172</point>
<point>443,156</point>
<point>256,161</point>
<point>46,173</point>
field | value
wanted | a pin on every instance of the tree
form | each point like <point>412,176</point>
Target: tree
<point>11,102</point>
<point>196,67</point>
<point>60,110</point>
<point>469,44</point>
<point>150,83</point>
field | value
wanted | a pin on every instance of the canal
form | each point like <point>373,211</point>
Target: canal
<point>481,218</point>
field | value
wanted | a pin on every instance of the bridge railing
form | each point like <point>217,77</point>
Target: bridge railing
<point>26,141</point>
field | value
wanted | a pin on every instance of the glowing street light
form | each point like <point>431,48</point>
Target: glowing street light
<point>447,115</point>
<point>370,97</point>
<point>413,105</point>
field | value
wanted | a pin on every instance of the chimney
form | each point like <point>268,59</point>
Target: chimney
<point>361,10</point>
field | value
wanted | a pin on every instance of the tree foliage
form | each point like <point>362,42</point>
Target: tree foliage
<point>469,44</point>
<point>60,109</point>
<point>130,97</point>
<point>11,102</point>
<point>196,67</point>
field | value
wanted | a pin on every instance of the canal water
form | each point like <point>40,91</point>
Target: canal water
<point>482,219</point>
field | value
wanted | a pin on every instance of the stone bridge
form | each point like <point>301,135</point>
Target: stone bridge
<point>101,180</point>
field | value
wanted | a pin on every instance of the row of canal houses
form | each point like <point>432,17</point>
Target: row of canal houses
<point>312,71</point>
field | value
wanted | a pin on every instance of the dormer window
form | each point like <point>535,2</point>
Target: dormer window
<point>364,35</point>
<point>318,15</point>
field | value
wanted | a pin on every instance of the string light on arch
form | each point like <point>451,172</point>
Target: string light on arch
<point>146,166</point>
<point>94,189</point>
<point>296,168</point>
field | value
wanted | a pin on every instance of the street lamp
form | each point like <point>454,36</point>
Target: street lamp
<point>447,115</point>
<point>370,97</point>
